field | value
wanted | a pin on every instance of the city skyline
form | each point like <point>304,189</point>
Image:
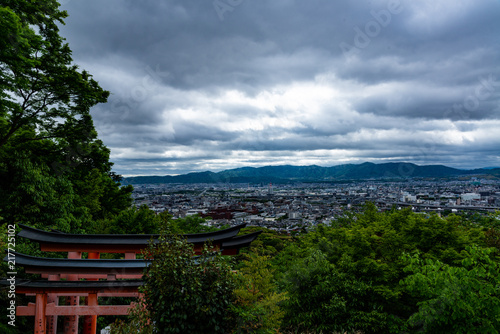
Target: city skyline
<point>224,84</point>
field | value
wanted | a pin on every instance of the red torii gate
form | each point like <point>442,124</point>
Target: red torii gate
<point>74,268</point>
<point>46,308</point>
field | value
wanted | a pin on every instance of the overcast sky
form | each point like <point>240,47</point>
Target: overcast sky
<point>211,85</point>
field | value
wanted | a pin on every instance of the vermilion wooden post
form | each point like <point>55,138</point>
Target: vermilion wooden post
<point>94,256</point>
<point>90,322</point>
<point>130,256</point>
<point>71,322</point>
<point>52,298</point>
<point>40,318</point>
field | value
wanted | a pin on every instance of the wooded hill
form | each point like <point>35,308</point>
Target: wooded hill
<point>287,173</point>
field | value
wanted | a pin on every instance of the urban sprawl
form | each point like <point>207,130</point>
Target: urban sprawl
<point>287,207</point>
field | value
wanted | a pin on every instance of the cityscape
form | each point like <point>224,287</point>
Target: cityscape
<point>303,205</point>
<point>236,166</point>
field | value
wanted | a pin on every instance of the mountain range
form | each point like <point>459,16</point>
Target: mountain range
<point>288,173</point>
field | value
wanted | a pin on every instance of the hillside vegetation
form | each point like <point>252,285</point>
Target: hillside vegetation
<point>372,272</point>
<point>286,174</point>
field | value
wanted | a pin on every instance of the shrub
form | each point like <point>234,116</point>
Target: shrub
<point>187,294</point>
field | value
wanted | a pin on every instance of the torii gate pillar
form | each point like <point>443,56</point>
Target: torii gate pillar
<point>71,322</point>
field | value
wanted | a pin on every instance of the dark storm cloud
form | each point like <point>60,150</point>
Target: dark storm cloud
<point>196,87</point>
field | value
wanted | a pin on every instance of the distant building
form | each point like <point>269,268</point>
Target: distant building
<point>470,197</point>
<point>193,212</point>
<point>270,190</point>
<point>408,198</point>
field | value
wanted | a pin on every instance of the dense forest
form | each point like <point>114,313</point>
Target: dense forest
<point>372,272</point>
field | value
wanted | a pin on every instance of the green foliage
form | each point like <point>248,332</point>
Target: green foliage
<point>268,243</point>
<point>134,220</point>
<point>492,238</point>
<point>41,88</point>
<point>324,298</point>
<point>139,321</point>
<point>463,299</point>
<point>189,224</point>
<point>258,304</point>
<point>39,199</point>
<point>54,172</point>
<point>186,294</point>
<point>491,220</point>
<point>345,277</point>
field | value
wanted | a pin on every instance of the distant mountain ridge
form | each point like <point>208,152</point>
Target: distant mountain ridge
<point>313,173</point>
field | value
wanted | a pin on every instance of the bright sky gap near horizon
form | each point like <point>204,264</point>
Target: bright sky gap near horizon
<point>214,85</point>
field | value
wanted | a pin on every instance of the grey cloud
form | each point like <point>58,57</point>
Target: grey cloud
<point>430,71</point>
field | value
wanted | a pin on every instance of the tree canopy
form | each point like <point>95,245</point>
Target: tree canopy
<point>44,95</point>
<point>356,276</point>
<point>54,172</point>
<point>373,272</point>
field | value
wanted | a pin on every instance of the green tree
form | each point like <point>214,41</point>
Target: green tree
<point>187,294</point>
<point>138,321</point>
<point>41,88</point>
<point>268,243</point>
<point>189,224</point>
<point>258,302</point>
<point>361,261</point>
<point>54,172</point>
<point>326,298</point>
<point>134,220</point>
<point>455,299</point>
